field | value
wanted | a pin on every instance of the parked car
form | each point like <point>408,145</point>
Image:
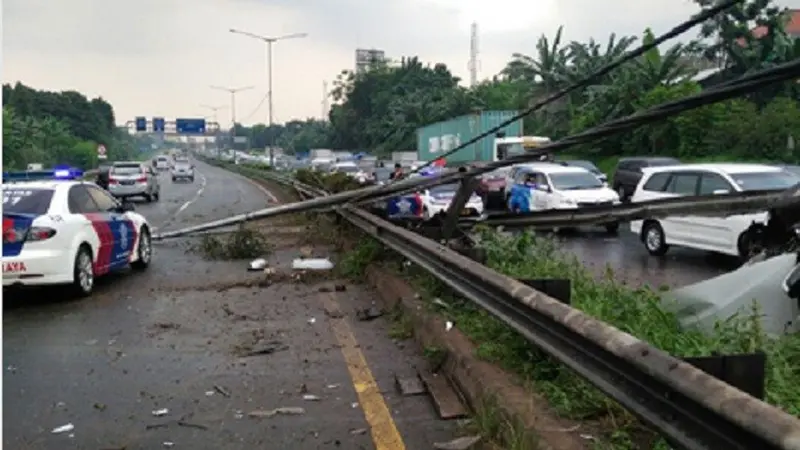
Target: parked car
<point>588,165</point>
<point>547,186</point>
<point>629,172</point>
<point>727,235</point>
<point>133,179</point>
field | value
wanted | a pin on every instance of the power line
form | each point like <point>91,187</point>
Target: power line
<point>641,50</point>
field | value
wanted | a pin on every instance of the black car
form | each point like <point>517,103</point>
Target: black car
<point>629,172</point>
<point>588,165</point>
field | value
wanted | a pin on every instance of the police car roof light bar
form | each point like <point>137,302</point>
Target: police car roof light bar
<point>64,174</point>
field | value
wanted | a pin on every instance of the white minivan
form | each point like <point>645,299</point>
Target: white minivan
<point>726,235</point>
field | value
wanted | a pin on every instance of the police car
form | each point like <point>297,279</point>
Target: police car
<point>431,201</point>
<point>58,230</point>
<point>546,186</point>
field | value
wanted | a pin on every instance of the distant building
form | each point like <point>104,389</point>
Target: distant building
<point>368,57</point>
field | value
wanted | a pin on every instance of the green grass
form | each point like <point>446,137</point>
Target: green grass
<point>635,311</point>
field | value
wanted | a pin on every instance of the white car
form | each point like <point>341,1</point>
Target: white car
<point>548,186</point>
<point>182,170</point>
<point>68,232</point>
<point>726,235</point>
<point>351,170</point>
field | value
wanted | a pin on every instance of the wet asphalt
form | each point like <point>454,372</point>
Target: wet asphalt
<point>175,338</point>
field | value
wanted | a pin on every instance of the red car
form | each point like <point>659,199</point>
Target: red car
<point>492,188</point>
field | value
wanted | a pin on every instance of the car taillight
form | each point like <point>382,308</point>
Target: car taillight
<point>13,235</point>
<point>141,180</point>
<point>40,234</point>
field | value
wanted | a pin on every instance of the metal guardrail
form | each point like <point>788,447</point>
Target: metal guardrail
<point>688,407</point>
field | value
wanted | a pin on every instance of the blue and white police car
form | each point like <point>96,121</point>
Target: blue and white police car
<point>547,186</point>
<point>431,201</point>
<point>59,230</point>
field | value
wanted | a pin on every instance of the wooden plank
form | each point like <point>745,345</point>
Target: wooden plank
<point>445,398</point>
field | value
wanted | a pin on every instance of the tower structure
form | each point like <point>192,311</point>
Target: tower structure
<point>473,54</point>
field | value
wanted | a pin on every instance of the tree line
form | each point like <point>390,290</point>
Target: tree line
<point>58,128</point>
<point>379,110</point>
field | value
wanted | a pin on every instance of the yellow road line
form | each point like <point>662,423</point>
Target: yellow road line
<point>384,432</point>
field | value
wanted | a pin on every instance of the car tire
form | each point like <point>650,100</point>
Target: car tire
<point>83,272</point>
<point>612,228</point>
<point>148,198</point>
<point>145,250</point>
<point>157,196</point>
<point>747,246</point>
<point>654,239</point>
<point>174,179</point>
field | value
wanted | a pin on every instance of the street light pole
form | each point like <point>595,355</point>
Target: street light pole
<point>270,40</point>
<point>233,92</point>
<point>214,110</point>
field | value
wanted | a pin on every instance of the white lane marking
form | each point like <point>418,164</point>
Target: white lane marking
<point>261,188</point>
<point>197,195</point>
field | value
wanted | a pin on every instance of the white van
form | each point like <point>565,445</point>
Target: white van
<point>726,235</point>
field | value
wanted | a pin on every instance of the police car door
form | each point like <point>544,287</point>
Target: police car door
<point>541,193</point>
<point>122,229</point>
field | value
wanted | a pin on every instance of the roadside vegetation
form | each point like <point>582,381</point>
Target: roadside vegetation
<point>244,243</point>
<point>53,128</point>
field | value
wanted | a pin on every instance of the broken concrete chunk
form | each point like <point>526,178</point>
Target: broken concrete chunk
<point>312,264</point>
<point>257,264</point>
<point>286,411</point>
<point>63,428</point>
<point>462,443</point>
<point>445,398</point>
<point>409,386</point>
<point>368,314</point>
<point>160,412</point>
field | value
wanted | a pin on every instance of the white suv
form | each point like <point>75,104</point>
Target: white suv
<point>726,235</point>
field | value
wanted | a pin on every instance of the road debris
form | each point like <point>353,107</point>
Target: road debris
<point>358,431</point>
<point>340,288</point>
<point>168,444</point>
<point>160,412</point>
<point>192,425</point>
<point>268,348</point>
<point>368,314</point>
<point>100,406</point>
<point>224,392</point>
<point>333,313</point>
<point>462,443</point>
<point>448,326</point>
<point>311,398</point>
<point>439,302</point>
<point>333,386</point>
<point>312,264</point>
<point>286,411</point>
<point>63,428</point>
<point>312,320</point>
<point>209,393</point>
<point>409,386</point>
<point>257,265</point>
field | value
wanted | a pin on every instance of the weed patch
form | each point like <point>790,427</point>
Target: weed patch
<point>244,243</point>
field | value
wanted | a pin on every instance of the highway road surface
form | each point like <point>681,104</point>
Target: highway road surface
<point>192,354</point>
<point>187,354</point>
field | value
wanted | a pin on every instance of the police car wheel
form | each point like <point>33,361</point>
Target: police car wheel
<point>145,253</point>
<point>83,272</point>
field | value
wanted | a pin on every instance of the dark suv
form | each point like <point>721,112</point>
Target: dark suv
<point>629,172</point>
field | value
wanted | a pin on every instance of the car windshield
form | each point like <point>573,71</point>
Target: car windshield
<point>23,200</point>
<point>574,181</point>
<point>588,165</point>
<point>794,170</point>
<point>444,189</point>
<point>127,169</point>
<point>182,165</point>
<point>346,169</point>
<point>764,181</point>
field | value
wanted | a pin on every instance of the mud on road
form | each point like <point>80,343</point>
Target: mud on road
<point>203,354</point>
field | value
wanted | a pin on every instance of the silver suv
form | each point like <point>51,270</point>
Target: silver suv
<point>133,179</point>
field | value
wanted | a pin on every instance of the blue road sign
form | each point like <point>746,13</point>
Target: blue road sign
<point>158,124</point>
<point>141,124</point>
<point>190,126</point>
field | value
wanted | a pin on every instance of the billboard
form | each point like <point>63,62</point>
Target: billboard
<point>367,57</point>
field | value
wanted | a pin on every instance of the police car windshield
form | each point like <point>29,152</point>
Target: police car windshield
<point>127,169</point>
<point>21,200</point>
<point>764,181</point>
<point>575,181</point>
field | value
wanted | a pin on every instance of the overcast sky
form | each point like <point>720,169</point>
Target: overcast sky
<point>158,57</point>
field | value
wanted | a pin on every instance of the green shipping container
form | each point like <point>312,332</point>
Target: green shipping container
<point>436,139</point>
